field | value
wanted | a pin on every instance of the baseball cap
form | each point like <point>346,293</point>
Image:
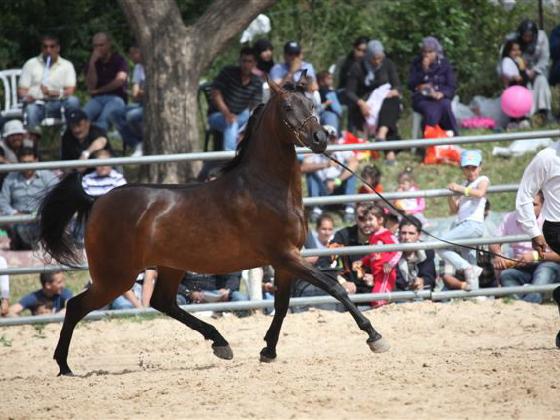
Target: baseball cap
<point>76,116</point>
<point>471,158</point>
<point>13,127</point>
<point>292,47</point>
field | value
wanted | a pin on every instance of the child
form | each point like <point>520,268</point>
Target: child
<point>372,175</point>
<point>331,110</point>
<point>469,208</point>
<point>410,206</point>
<point>514,72</point>
<point>391,223</point>
<point>104,179</point>
<point>381,264</point>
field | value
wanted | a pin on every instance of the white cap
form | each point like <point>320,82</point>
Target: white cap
<point>13,127</point>
<point>331,131</point>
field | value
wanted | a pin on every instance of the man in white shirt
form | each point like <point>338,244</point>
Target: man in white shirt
<point>47,84</point>
<point>543,173</point>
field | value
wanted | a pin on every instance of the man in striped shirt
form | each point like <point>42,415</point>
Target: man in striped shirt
<point>235,92</point>
<point>104,179</point>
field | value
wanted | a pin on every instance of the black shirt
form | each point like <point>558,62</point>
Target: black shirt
<point>348,236</point>
<point>237,96</point>
<point>72,148</point>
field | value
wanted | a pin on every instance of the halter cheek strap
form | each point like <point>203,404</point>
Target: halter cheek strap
<point>296,131</point>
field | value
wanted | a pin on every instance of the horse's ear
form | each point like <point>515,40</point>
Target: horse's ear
<point>302,82</point>
<point>273,86</point>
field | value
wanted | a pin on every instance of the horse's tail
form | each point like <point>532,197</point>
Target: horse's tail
<point>55,213</point>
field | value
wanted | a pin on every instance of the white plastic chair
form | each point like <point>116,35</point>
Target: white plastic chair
<point>12,107</point>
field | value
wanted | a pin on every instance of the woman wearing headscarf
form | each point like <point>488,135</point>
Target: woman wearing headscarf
<point>373,89</point>
<point>433,83</point>
<point>357,54</point>
<point>263,50</point>
<point>536,53</point>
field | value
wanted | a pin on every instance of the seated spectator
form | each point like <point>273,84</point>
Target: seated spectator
<point>106,75</point>
<point>2,162</point>
<point>47,84</point>
<point>324,177</point>
<point>530,269</point>
<point>208,288</point>
<point>235,93</point>
<point>536,53</point>
<point>51,298</point>
<point>469,208</point>
<point>372,176</point>
<point>331,110</point>
<point>356,235</point>
<point>373,89</point>
<point>416,270</point>
<point>410,206</point>
<point>290,70</point>
<point>140,294</point>
<point>13,139</point>
<point>20,194</point>
<point>129,120</point>
<point>513,71</point>
<point>391,223</point>
<point>433,83</point>
<point>359,47</point>
<point>104,178</point>
<point>265,60</point>
<point>382,265</point>
<point>82,138</point>
<point>4,288</point>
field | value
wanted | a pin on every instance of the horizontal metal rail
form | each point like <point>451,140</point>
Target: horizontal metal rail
<point>213,156</point>
<point>294,302</point>
<point>334,199</point>
<point>349,250</point>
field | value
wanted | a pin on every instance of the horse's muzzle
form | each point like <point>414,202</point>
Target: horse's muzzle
<point>319,141</point>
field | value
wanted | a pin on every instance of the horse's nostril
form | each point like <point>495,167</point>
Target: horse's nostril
<point>319,137</point>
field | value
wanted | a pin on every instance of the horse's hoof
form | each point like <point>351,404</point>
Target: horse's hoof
<point>65,373</point>
<point>267,357</point>
<point>379,346</point>
<point>223,352</point>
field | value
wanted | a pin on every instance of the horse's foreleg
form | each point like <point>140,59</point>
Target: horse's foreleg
<point>164,300</point>
<point>283,283</point>
<point>303,271</point>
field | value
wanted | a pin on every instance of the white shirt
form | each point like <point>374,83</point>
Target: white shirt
<point>472,208</point>
<point>4,280</point>
<point>543,173</point>
<point>333,171</point>
<point>60,75</point>
<point>508,68</point>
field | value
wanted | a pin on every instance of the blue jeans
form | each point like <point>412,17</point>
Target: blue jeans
<point>101,107</point>
<point>218,122</point>
<point>129,123</point>
<point>123,303</point>
<point>37,111</point>
<point>317,188</point>
<point>547,272</point>
<point>330,118</point>
<point>464,230</point>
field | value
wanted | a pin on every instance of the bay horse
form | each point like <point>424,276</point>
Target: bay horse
<point>250,216</point>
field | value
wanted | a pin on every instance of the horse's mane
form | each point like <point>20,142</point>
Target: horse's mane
<point>244,143</point>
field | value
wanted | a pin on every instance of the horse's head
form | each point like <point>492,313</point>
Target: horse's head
<point>295,111</point>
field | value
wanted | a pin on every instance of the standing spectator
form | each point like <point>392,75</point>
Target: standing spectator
<point>324,177</point>
<point>47,84</point>
<point>382,265</point>
<point>235,93</point>
<point>13,140</point>
<point>416,270</point>
<point>4,289</point>
<point>373,89</point>
<point>82,138</point>
<point>21,193</point>
<point>433,83</point>
<point>106,75</point>
<point>357,54</point>
<point>331,110</point>
<point>531,269</point>
<point>52,296</point>
<point>289,71</point>
<point>104,178</point>
<point>469,208</point>
<point>410,206</point>
<point>536,53</point>
<point>265,61</point>
<point>129,120</point>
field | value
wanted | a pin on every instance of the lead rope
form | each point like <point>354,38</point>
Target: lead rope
<point>399,213</point>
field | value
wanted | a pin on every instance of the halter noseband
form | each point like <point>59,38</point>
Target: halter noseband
<point>297,130</point>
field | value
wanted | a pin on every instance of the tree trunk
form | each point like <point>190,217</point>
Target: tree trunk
<point>174,58</point>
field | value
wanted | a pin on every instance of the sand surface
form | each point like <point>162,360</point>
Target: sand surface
<point>458,360</point>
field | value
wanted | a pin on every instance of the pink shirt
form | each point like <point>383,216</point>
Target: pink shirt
<point>510,226</point>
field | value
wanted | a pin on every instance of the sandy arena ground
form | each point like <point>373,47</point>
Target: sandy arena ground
<point>459,360</point>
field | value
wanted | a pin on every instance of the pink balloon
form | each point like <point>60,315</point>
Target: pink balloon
<point>516,101</point>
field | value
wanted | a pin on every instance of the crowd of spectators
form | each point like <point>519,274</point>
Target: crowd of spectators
<point>365,87</point>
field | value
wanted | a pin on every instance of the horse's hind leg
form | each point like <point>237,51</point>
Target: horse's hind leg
<point>77,308</point>
<point>164,300</point>
<point>376,343</point>
<point>281,304</point>
<point>556,295</point>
